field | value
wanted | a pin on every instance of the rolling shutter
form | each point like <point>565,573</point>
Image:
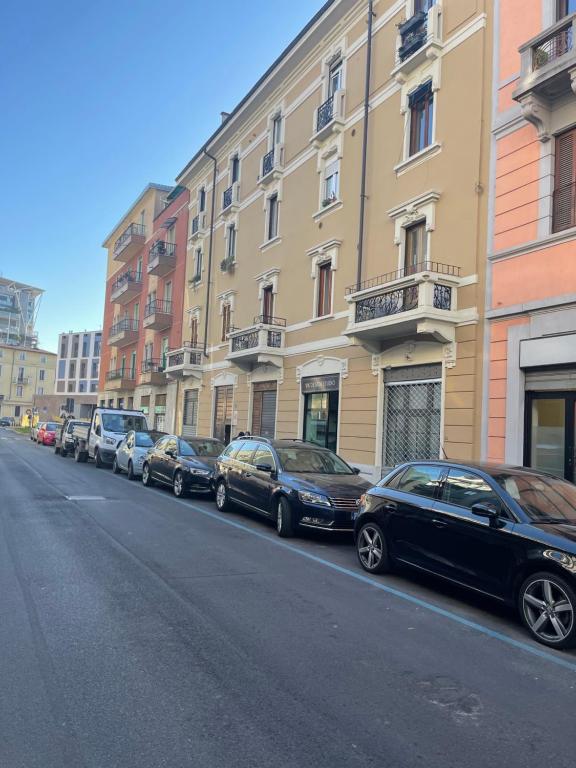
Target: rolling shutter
<point>264,409</point>
<point>564,184</point>
<point>190,419</point>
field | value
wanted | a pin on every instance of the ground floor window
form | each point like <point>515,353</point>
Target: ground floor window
<point>223,401</point>
<point>264,409</point>
<point>412,414</point>
<point>550,433</point>
<point>190,415</point>
<point>321,418</point>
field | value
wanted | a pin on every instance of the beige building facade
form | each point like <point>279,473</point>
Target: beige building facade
<point>334,275</point>
<point>25,373</point>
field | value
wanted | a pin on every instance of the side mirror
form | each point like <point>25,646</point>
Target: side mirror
<point>98,431</point>
<point>264,468</point>
<point>171,453</point>
<point>488,511</point>
<point>356,470</point>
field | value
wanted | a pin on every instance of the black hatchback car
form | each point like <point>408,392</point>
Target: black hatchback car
<point>508,532</point>
<point>292,482</point>
<point>184,463</point>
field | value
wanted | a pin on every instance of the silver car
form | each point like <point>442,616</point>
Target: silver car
<point>35,429</point>
<point>131,451</point>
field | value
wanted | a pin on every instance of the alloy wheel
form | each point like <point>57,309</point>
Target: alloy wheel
<point>370,549</point>
<point>221,496</point>
<point>178,484</point>
<point>548,610</point>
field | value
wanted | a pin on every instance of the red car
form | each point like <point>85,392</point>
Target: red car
<point>47,433</point>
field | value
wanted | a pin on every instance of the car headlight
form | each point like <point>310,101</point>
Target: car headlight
<point>314,498</point>
<point>199,472</point>
<point>110,441</point>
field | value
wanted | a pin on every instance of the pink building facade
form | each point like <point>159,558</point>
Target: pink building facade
<point>530,375</point>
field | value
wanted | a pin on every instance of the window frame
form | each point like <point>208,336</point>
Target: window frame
<point>272,216</point>
<point>423,95</point>
<point>438,489</point>
<point>324,289</point>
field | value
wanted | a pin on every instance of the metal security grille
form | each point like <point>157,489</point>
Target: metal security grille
<point>190,420</point>
<point>412,421</point>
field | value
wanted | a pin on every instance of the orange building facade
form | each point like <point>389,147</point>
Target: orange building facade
<point>530,333</point>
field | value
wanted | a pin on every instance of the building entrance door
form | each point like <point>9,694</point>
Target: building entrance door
<point>550,443</point>
<point>223,413</point>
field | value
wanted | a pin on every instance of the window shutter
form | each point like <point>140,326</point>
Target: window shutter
<point>564,184</point>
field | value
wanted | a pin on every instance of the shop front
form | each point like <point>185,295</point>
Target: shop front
<point>321,401</point>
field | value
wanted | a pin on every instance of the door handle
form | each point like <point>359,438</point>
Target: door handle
<point>439,523</point>
<point>247,474</point>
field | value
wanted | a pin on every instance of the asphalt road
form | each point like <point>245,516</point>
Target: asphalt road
<point>139,631</point>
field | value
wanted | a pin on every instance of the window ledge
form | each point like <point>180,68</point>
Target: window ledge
<point>322,317</point>
<point>335,206</point>
<point>418,158</point>
<point>269,243</point>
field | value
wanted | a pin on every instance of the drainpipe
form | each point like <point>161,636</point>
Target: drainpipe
<point>371,15</point>
<point>210,249</point>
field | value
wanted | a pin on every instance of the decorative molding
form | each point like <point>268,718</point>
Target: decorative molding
<point>224,380</point>
<point>376,364</point>
<point>323,365</point>
<point>327,251</point>
<point>449,354</point>
<point>538,114</point>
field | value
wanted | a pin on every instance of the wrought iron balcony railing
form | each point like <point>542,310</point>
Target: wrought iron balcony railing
<point>270,320</point>
<point>195,224</point>
<point>227,197</point>
<point>414,269</point>
<point>158,306</point>
<point>130,231</point>
<point>162,248</point>
<point>122,326</point>
<point>152,365</point>
<point>126,278</point>
<point>120,373</point>
<point>268,162</point>
<point>394,302</point>
<point>247,340</point>
<point>553,46</point>
<point>325,114</point>
<point>413,34</point>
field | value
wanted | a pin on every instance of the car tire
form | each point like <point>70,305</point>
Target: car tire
<point>372,549</point>
<point>63,452</point>
<point>178,485</point>
<point>221,497</point>
<point>285,524</point>
<point>98,459</point>
<point>547,605</point>
<point>131,475</point>
<point>56,450</point>
<point>78,457</point>
<point>146,477</point>
<point>115,468</point>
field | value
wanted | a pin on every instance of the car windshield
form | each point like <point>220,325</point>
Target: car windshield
<point>147,439</point>
<point>318,461</point>
<point>209,448</point>
<point>123,422</point>
<point>543,499</point>
<point>50,427</point>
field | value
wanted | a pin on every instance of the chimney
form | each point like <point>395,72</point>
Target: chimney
<point>224,116</point>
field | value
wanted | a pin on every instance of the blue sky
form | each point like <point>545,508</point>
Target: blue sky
<point>98,99</point>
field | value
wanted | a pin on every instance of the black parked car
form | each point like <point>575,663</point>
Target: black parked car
<point>5,422</point>
<point>508,532</point>
<point>184,463</point>
<point>292,482</point>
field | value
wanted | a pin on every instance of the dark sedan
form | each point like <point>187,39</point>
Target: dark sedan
<point>184,463</point>
<point>508,532</point>
<point>292,482</point>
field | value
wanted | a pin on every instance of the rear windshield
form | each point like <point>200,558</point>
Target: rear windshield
<point>210,448</point>
<point>50,427</point>
<point>123,422</point>
<point>543,499</point>
<point>318,461</point>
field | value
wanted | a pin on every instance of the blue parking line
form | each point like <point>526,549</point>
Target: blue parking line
<point>358,576</point>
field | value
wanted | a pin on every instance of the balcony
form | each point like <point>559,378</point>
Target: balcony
<point>123,333</point>
<point>329,118</point>
<point>547,72</point>
<point>272,166</point>
<point>231,199</point>
<point>199,227</point>
<point>417,303</point>
<point>184,362</point>
<point>152,372</point>
<point>262,343</point>
<point>157,315</point>
<point>161,258</point>
<point>21,381</point>
<point>126,287</point>
<point>129,242</point>
<point>419,40</point>
<point>120,378</point>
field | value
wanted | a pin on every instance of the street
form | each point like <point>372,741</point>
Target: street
<point>141,631</point>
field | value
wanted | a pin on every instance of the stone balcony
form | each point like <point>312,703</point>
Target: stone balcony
<point>419,303</point>
<point>185,361</point>
<point>261,343</point>
<point>120,379</point>
<point>419,40</point>
<point>231,199</point>
<point>126,287</point>
<point>129,242</point>
<point>198,227</point>
<point>123,333</point>
<point>157,315</point>
<point>271,166</point>
<point>329,118</point>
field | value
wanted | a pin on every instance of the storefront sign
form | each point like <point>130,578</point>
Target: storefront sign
<point>330,383</point>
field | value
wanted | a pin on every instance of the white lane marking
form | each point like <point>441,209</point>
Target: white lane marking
<point>86,498</point>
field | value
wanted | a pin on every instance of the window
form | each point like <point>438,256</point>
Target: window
<point>42,375</point>
<point>17,411</point>
<point>420,479</point>
<point>202,200</point>
<point>264,455</point>
<point>61,386</point>
<point>94,370</point>
<point>22,356</point>
<point>235,169</point>
<point>72,369</point>
<point>466,489</point>
<point>226,317</point>
<point>64,346</point>
<point>83,369</point>
<point>132,365</point>
<point>164,351</point>
<point>86,345</point>
<point>565,7</point>
<point>21,374</point>
<point>171,235</point>
<point>97,343</point>
<point>94,386</point>
<point>19,391</point>
<point>272,229</point>
<point>43,359</point>
<point>168,293</point>
<point>423,5</point>
<point>198,265</point>
<point>75,345</point>
<point>231,249</point>
<point>139,268</point>
<point>82,386</point>
<point>421,104</point>
<point>331,182</point>
<point>564,207</point>
<point>268,303</point>
<point>245,453</point>
<point>194,331</point>
<point>415,248</point>
<point>335,78</point>
<point>136,312</point>
<point>324,289</point>
<point>71,386</point>
<point>123,364</point>
<point>62,369</point>
<point>276,130</point>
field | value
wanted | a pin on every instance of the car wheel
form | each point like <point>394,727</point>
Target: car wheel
<point>97,459</point>
<point>78,455</point>
<point>547,605</point>
<point>178,485</point>
<point>146,476</point>
<point>222,501</point>
<point>371,549</point>
<point>115,468</point>
<point>63,452</point>
<point>285,525</point>
<point>56,450</point>
<point>131,475</point>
